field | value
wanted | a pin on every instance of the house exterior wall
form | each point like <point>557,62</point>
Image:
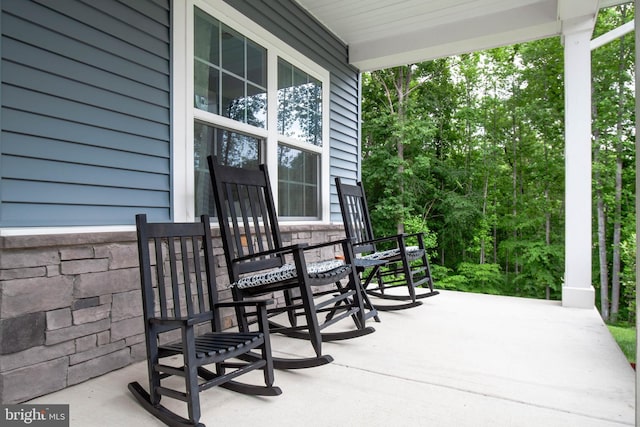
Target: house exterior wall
<point>85,141</point>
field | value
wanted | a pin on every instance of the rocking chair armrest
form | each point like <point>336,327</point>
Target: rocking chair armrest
<point>283,250</point>
<point>395,237</point>
<point>419,235</point>
<point>178,322</point>
<point>325,244</point>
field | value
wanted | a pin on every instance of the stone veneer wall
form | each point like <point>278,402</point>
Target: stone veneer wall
<point>71,307</point>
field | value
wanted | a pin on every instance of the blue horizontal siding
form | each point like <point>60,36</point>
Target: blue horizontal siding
<point>86,117</point>
<point>16,123</point>
<point>29,169</point>
<point>57,215</point>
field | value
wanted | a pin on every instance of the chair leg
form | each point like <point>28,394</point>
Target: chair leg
<point>191,375</point>
<point>153,375</point>
<point>408,276</point>
<point>288,300</point>
<point>263,324</point>
<point>241,318</point>
<point>306,295</point>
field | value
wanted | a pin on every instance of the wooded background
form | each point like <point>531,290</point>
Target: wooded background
<point>471,150</point>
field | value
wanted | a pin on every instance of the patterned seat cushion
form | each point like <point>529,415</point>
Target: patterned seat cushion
<point>288,271</point>
<point>413,252</point>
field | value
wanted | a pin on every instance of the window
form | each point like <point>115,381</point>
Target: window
<point>257,101</point>
<point>230,72</point>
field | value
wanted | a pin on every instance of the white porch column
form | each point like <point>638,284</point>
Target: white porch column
<point>577,290</point>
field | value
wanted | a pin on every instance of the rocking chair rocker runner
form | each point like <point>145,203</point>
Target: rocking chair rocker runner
<point>180,303</point>
<point>405,266</point>
<point>259,264</point>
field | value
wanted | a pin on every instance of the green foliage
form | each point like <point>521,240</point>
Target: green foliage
<point>542,264</point>
<point>470,149</point>
<point>626,339</point>
<point>628,258</point>
<point>482,278</point>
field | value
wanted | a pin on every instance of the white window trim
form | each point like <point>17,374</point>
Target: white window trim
<point>184,113</point>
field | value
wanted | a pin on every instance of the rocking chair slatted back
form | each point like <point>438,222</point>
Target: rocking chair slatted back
<point>178,278</point>
<point>358,224</point>
<point>251,225</point>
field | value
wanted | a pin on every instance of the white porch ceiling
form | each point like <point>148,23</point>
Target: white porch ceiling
<point>386,33</point>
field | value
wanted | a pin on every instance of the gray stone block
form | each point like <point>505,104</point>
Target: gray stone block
<point>21,258</point>
<point>22,332</point>
<point>91,314</point>
<point>103,337</point>
<point>138,352</point>
<point>36,355</point>
<point>77,252</point>
<point>23,273</point>
<point>86,303</point>
<point>84,344</point>
<point>53,270</point>
<point>99,366</point>
<point>22,384</point>
<point>57,319</point>
<point>120,256</point>
<point>96,352</point>
<point>134,339</point>
<point>126,305</point>
<point>108,282</point>
<point>84,266</point>
<point>106,299</point>
<point>24,296</point>
<point>126,328</point>
<point>73,332</point>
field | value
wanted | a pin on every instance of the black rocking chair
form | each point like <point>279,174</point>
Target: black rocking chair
<point>401,266</point>
<point>180,302</point>
<point>259,264</point>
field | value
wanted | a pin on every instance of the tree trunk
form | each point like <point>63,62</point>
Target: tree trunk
<point>547,235</point>
<point>602,223</point>
<point>485,192</point>
<point>617,219</point>
<point>403,87</point>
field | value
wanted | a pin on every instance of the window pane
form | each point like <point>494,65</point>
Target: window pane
<point>256,106</point>
<point>298,189</point>
<point>232,51</point>
<point>206,86</point>
<point>256,64</point>
<point>233,100</point>
<point>207,35</point>
<point>230,148</point>
<point>299,104</point>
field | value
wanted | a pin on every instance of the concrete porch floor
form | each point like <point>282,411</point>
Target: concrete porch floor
<point>458,360</point>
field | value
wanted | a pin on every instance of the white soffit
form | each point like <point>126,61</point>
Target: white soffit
<point>387,33</point>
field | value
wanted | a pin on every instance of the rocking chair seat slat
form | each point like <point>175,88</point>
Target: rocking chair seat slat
<point>322,269</point>
<point>213,344</point>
